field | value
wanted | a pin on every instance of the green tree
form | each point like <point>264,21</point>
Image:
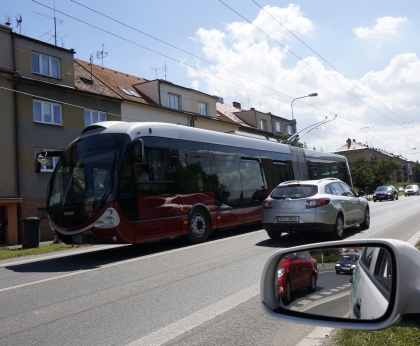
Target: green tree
<point>416,172</point>
<point>362,173</point>
<point>383,169</point>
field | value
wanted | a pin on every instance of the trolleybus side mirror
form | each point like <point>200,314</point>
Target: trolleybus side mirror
<point>138,150</point>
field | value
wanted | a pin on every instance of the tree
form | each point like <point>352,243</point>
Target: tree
<point>383,169</point>
<point>416,173</point>
<point>362,173</point>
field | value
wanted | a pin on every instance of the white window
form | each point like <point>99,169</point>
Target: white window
<point>46,112</point>
<point>129,92</point>
<point>289,129</point>
<point>92,117</point>
<point>203,108</point>
<point>174,101</point>
<point>263,124</point>
<point>52,161</point>
<point>45,65</point>
<point>278,128</point>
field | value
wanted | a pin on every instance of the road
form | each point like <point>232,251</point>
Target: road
<point>166,292</point>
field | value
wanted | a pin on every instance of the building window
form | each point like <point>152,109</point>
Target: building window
<point>45,65</point>
<point>278,128</point>
<point>263,124</point>
<point>46,112</point>
<point>203,108</point>
<point>92,117</point>
<point>174,101</point>
<point>129,92</point>
<point>289,129</point>
<point>51,164</point>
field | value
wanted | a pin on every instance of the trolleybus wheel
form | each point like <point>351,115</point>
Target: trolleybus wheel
<point>199,226</point>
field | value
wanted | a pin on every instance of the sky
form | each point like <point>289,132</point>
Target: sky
<point>360,57</point>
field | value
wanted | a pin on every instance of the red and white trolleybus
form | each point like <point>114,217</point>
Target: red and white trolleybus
<point>133,182</point>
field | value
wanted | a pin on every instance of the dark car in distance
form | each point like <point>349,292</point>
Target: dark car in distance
<point>385,192</point>
<point>346,263</point>
<point>296,270</point>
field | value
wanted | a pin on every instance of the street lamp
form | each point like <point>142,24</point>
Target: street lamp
<point>406,159</point>
<point>310,95</point>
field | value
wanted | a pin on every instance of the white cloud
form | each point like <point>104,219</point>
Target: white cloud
<point>269,86</point>
<point>385,28</point>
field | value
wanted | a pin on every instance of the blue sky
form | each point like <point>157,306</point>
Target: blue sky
<point>370,76</point>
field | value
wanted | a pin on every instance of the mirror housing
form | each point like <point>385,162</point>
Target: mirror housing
<point>402,311</point>
<point>137,150</point>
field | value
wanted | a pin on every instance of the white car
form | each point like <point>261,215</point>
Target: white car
<point>412,190</point>
<point>371,284</point>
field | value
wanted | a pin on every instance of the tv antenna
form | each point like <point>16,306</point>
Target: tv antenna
<point>19,22</point>
<point>56,21</point>
<point>102,54</point>
<point>160,68</point>
<point>8,20</point>
<point>366,128</point>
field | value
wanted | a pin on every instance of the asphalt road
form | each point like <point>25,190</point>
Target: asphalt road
<point>166,292</point>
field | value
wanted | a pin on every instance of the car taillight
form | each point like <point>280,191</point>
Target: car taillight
<point>266,204</point>
<point>316,203</point>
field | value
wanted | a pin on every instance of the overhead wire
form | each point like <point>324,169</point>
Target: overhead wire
<point>263,9</point>
<point>191,66</point>
<point>273,39</point>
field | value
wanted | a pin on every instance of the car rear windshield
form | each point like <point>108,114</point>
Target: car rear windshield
<point>349,258</point>
<point>383,188</point>
<point>294,192</point>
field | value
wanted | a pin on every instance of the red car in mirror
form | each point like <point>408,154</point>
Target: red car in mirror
<point>296,270</point>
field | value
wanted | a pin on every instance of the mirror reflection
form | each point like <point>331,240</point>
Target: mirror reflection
<point>336,282</point>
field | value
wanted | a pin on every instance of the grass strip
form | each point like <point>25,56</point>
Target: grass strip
<point>6,253</point>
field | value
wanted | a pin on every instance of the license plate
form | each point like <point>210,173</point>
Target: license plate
<point>346,268</point>
<point>288,219</point>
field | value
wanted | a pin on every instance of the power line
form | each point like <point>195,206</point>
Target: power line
<point>327,61</point>
<point>307,63</point>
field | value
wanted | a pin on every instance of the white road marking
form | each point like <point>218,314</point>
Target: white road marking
<point>186,324</point>
<point>304,302</point>
<point>326,293</point>
<point>334,290</point>
<point>341,287</point>
<point>118,263</point>
<point>315,297</point>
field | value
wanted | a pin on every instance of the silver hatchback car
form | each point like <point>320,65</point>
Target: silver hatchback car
<point>326,205</point>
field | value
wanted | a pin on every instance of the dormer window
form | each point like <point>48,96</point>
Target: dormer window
<point>129,92</point>
<point>45,65</point>
<point>203,108</point>
<point>174,101</point>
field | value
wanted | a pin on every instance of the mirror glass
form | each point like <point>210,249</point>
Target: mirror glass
<point>336,282</point>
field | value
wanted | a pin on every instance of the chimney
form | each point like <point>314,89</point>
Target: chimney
<point>252,109</point>
<point>348,143</point>
<point>354,140</point>
<point>236,104</point>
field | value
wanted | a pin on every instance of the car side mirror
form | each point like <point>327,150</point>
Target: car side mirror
<point>380,293</point>
<point>361,194</point>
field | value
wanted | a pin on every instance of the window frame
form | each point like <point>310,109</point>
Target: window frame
<point>50,65</point>
<point>90,116</point>
<point>264,124</point>
<point>277,125</point>
<point>206,108</point>
<point>176,97</point>
<point>42,112</point>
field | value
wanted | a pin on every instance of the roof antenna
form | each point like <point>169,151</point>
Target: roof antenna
<point>159,68</point>
<point>102,54</point>
<point>19,23</point>
<point>56,20</point>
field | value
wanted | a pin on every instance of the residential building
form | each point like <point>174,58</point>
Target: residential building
<point>46,103</point>
<point>353,150</point>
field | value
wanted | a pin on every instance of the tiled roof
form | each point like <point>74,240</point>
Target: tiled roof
<point>83,80</point>
<point>226,111</point>
<point>115,79</point>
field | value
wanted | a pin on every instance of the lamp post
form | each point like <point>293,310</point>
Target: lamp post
<point>310,95</point>
<point>406,159</point>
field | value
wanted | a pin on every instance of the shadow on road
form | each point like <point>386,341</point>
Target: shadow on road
<point>303,238</point>
<point>85,261</point>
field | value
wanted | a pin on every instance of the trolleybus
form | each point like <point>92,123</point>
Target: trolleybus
<point>134,182</point>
